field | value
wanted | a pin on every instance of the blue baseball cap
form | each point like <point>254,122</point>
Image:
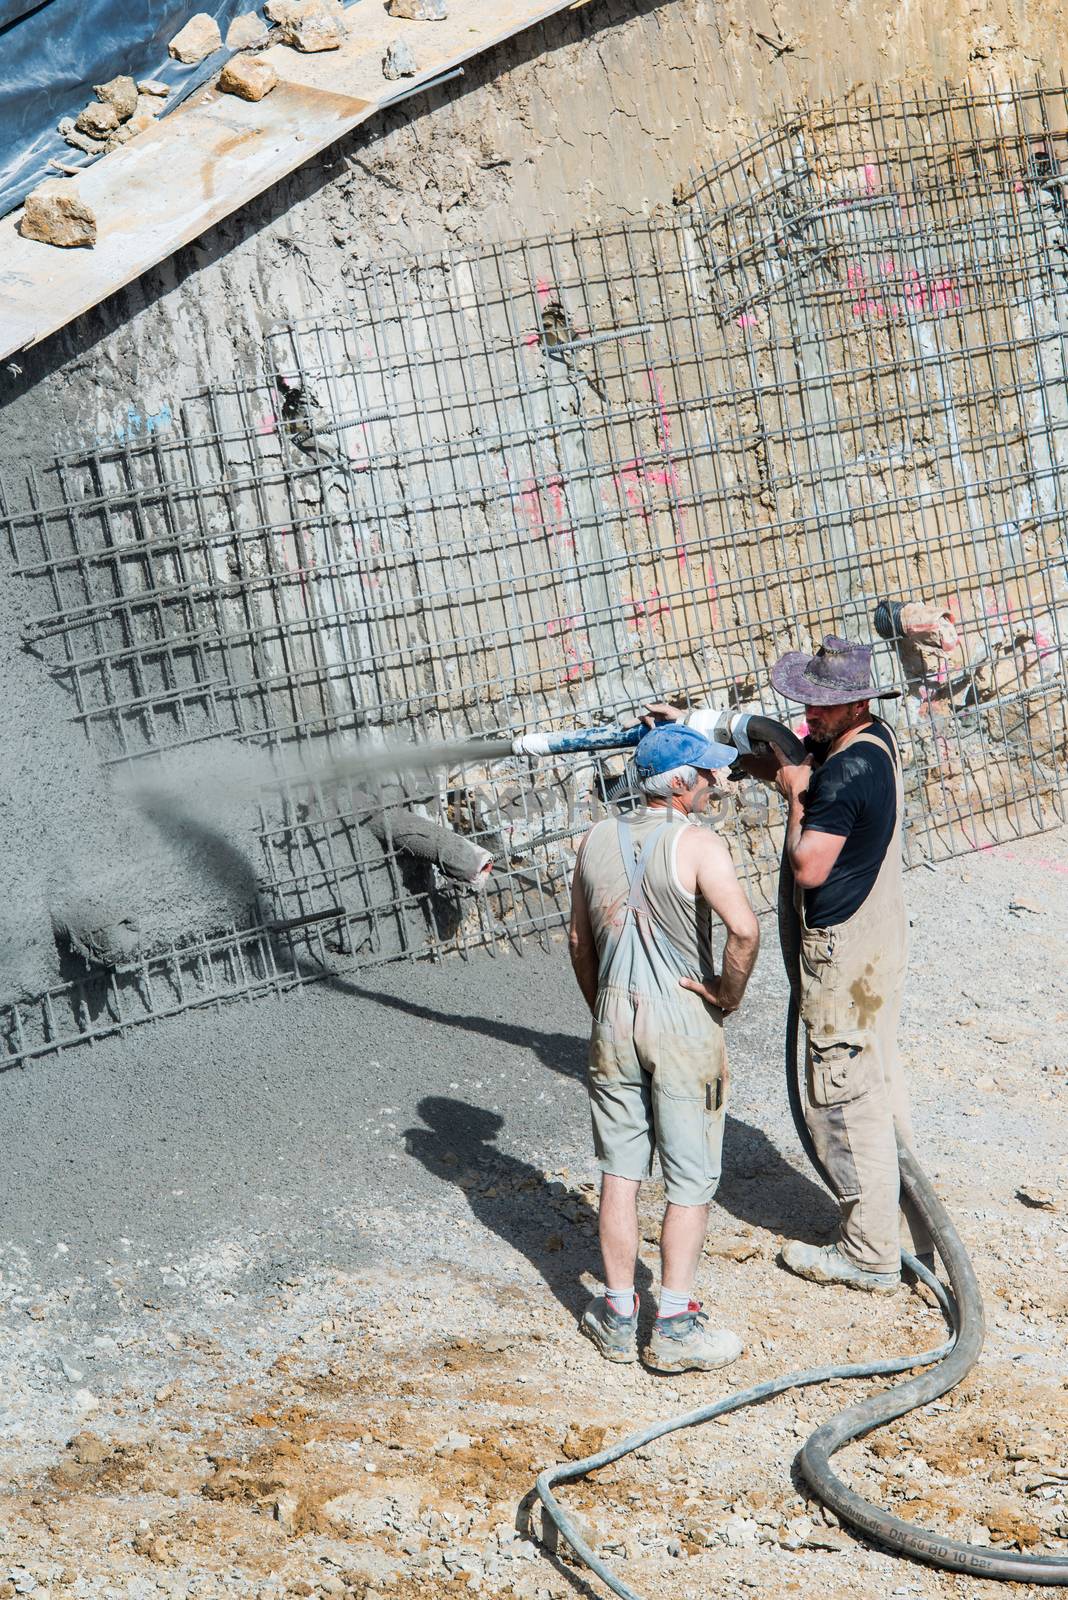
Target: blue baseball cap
<point>675,745</point>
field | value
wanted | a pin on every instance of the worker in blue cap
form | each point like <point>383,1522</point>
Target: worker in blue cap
<point>645,891</point>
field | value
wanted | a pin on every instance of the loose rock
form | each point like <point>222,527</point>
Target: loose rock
<point>97,120</point>
<point>419,10</point>
<point>398,61</point>
<point>79,141</point>
<point>55,213</point>
<point>149,107</point>
<point>1041,1199</point>
<point>245,31</point>
<point>197,39</point>
<point>121,93</point>
<point>248,77</point>
<point>153,86</point>
<point>310,25</point>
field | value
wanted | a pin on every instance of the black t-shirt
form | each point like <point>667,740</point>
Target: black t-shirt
<point>852,795</point>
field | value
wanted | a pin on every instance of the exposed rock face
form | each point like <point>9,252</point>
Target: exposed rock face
<point>97,120</point>
<point>248,77</point>
<point>310,25</point>
<point>197,39</point>
<point>121,93</point>
<point>398,61</point>
<point>419,10</point>
<point>245,31</point>
<point>55,213</point>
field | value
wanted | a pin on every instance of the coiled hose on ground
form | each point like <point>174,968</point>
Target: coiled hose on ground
<point>946,1367</point>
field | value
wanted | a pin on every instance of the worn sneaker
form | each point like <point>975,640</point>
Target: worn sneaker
<point>616,1337</point>
<point>686,1343</point>
<point>826,1264</point>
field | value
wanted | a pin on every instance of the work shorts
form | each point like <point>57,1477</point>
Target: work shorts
<point>658,1082</point>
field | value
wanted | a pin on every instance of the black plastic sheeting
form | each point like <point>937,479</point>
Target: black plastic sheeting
<point>51,54</point>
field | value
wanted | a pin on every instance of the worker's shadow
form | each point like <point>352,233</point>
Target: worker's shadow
<point>553,1226</point>
<point>760,1187</point>
<point>561,1052</point>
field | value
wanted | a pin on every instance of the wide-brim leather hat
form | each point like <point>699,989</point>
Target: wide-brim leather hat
<point>838,673</point>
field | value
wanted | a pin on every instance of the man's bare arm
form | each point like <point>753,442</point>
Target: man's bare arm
<point>811,854</point>
<point>717,883</point>
<point>581,944</point>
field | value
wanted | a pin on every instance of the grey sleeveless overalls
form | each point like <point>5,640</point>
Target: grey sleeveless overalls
<point>657,1077</point>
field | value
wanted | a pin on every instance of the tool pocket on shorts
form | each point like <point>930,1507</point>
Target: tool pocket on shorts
<point>689,1090</point>
<point>603,1058</point>
<point>840,1073</point>
<point>685,1066</point>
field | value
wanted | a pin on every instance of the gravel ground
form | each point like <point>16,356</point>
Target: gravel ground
<point>310,1329</point>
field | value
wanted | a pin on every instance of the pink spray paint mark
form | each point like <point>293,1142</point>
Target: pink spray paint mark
<point>578,660</point>
<point>267,425</point>
<point>663,439</point>
<point>543,289</point>
<point>645,613</point>
<point>918,295</point>
<point>531,338</point>
<point>746,320</point>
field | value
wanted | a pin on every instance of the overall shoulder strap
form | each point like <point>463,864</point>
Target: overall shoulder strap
<point>635,871</point>
<point>890,749</point>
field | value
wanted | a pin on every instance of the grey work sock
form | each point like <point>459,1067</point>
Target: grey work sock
<point>621,1301</point>
<point>672,1304</point>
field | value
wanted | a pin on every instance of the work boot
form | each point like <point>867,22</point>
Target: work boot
<point>616,1337</point>
<point>826,1264</point>
<point>685,1343</point>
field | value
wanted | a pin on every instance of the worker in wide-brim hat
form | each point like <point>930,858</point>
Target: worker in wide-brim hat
<point>842,862</point>
<point>647,890</point>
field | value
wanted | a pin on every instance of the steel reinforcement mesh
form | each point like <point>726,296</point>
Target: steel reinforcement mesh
<point>534,485</point>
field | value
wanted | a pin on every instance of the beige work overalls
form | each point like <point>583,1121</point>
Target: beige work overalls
<point>851,979</point>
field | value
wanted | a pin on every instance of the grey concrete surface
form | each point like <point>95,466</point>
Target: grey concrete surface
<point>270,1118</point>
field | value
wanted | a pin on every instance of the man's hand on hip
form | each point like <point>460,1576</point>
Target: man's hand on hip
<point>709,992</point>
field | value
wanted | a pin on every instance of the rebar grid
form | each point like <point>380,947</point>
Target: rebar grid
<point>540,483</point>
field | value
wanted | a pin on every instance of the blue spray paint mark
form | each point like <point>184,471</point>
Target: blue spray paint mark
<point>138,426</point>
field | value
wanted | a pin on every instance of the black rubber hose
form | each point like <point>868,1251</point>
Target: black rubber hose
<point>765,730</point>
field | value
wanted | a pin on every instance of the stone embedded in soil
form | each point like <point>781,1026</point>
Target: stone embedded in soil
<point>248,77</point>
<point>1041,1199</point>
<point>419,10</point>
<point>311,25</point>
<point>120,92</point>
<point>97,120</point>
<point>579,1442</point>
<point>55,213</point>
<point>399,61</point>
<point>245,31</point>
<point>199,38</point>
